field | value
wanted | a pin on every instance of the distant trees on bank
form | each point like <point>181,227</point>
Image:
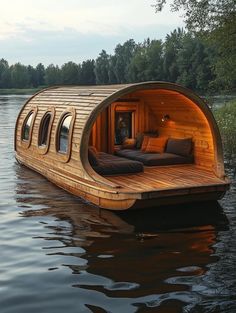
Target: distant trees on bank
<point>215,21</point>
<point>182,58</point>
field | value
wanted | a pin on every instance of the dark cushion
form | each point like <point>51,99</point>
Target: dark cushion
<point>151,159</point>
<point>139,140</point>
<point>109,164</point>
<point>181,147</point>
<point>151,133</point>
<point>92,157</point>
<point>129,153</point>
<point>155,158</point>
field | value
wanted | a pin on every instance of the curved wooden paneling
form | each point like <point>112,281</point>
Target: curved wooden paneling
<point>189,102</point>
<point>73,171</point>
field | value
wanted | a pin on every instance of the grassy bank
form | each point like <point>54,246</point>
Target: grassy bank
<point>226,120</point>
<point>16,91</point>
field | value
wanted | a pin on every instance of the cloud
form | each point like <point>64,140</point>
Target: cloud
<point>90,16</point>
<point>58,47</point>
<point>34,46</point>
<point>58,31</point>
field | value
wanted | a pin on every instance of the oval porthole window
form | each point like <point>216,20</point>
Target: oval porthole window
<point>63,136</point>
<point>43,131</point>
<point>27,125</point>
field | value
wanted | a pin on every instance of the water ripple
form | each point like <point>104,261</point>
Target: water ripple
<point>59,254</point>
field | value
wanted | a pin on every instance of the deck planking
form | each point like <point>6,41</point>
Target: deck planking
<point>167,177</point>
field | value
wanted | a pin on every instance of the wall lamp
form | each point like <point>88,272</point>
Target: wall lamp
<point>165,118</point>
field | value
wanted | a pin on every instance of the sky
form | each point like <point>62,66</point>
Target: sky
<point>58,31</point>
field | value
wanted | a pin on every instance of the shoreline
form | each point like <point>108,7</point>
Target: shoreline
<point>210,99</point>
<point>19,91</point>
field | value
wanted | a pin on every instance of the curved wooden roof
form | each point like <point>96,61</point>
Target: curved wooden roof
<point>89,101</point>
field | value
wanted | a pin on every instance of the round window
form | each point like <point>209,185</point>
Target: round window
<point>63,135</point>
<point>27,126</point>
<point>44,128</point>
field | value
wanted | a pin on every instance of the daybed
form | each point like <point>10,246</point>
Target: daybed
<point>176,151</point>
<point>108,164</point>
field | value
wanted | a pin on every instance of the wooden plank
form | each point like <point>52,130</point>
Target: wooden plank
<point>166,177</point>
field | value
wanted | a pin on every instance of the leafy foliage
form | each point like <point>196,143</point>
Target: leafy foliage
<point>86,73</point>
<point>69,73</point>
<point>202,15</point>
<point>102,68</point>
<point>19,75</point>
<point>226,120</point>
<point>52,75</point>
<point>214,21</point>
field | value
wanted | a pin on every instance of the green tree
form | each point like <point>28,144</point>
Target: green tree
<point>102,68</point>
<point>172,45</point>
<point>40,74</point>
<point>52,75</point>
<point>111,70</point>
<point>202,66</point>
<point>194,66</point>
<point>202,15</point>
<point>154,58</point>
<point>224,38</point>
<point>33,78</point>
<point>5,77</point>
<point>70,73</point>
<point>215,21</point>
<point>138,65</point>
<point>123,54</point>
<point>19,76</point>
<point>187,76</point>
<point>87,73</point>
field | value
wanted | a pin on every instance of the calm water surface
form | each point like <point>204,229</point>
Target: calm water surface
<point>60,254</point>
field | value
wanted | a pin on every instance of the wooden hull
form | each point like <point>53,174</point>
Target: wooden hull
<point>123,199</point>
<point>92,111</point>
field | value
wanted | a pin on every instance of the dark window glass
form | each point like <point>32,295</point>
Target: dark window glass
<point>64,134</point>
<point>123,126</point>
<point>43,132</point>
<point>27,125</point>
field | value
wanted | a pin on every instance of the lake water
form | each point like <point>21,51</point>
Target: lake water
<point>60,254</point>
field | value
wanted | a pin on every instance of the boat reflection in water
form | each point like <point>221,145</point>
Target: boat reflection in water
<point>128,260</point>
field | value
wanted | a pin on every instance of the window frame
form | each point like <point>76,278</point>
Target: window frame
<point>122,107</point>
<point>131,127</point>
<point>43,149</point>
<point>27,142</point>
<point>65,157</point>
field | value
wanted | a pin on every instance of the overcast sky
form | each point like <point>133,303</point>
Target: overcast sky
<point>58,31</point>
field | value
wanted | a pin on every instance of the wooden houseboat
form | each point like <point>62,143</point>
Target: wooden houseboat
<point>123,146</point>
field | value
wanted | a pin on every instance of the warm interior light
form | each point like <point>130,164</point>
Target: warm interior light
<point>165,117</point>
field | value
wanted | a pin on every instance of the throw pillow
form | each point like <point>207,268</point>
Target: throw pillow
<point>139,140</point>
<point>182,146</point>
<point>145,143</point>
<point>156,145</point>
<point>129,143</point>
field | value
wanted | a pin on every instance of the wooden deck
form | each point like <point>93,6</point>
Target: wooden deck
<point>167,177</point>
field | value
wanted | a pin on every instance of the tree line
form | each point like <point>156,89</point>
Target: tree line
<point>182,58</point>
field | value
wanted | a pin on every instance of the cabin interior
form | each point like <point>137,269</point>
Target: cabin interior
<point>183,131</point>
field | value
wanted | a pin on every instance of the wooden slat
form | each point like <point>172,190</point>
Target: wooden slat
<point>166,177</point>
